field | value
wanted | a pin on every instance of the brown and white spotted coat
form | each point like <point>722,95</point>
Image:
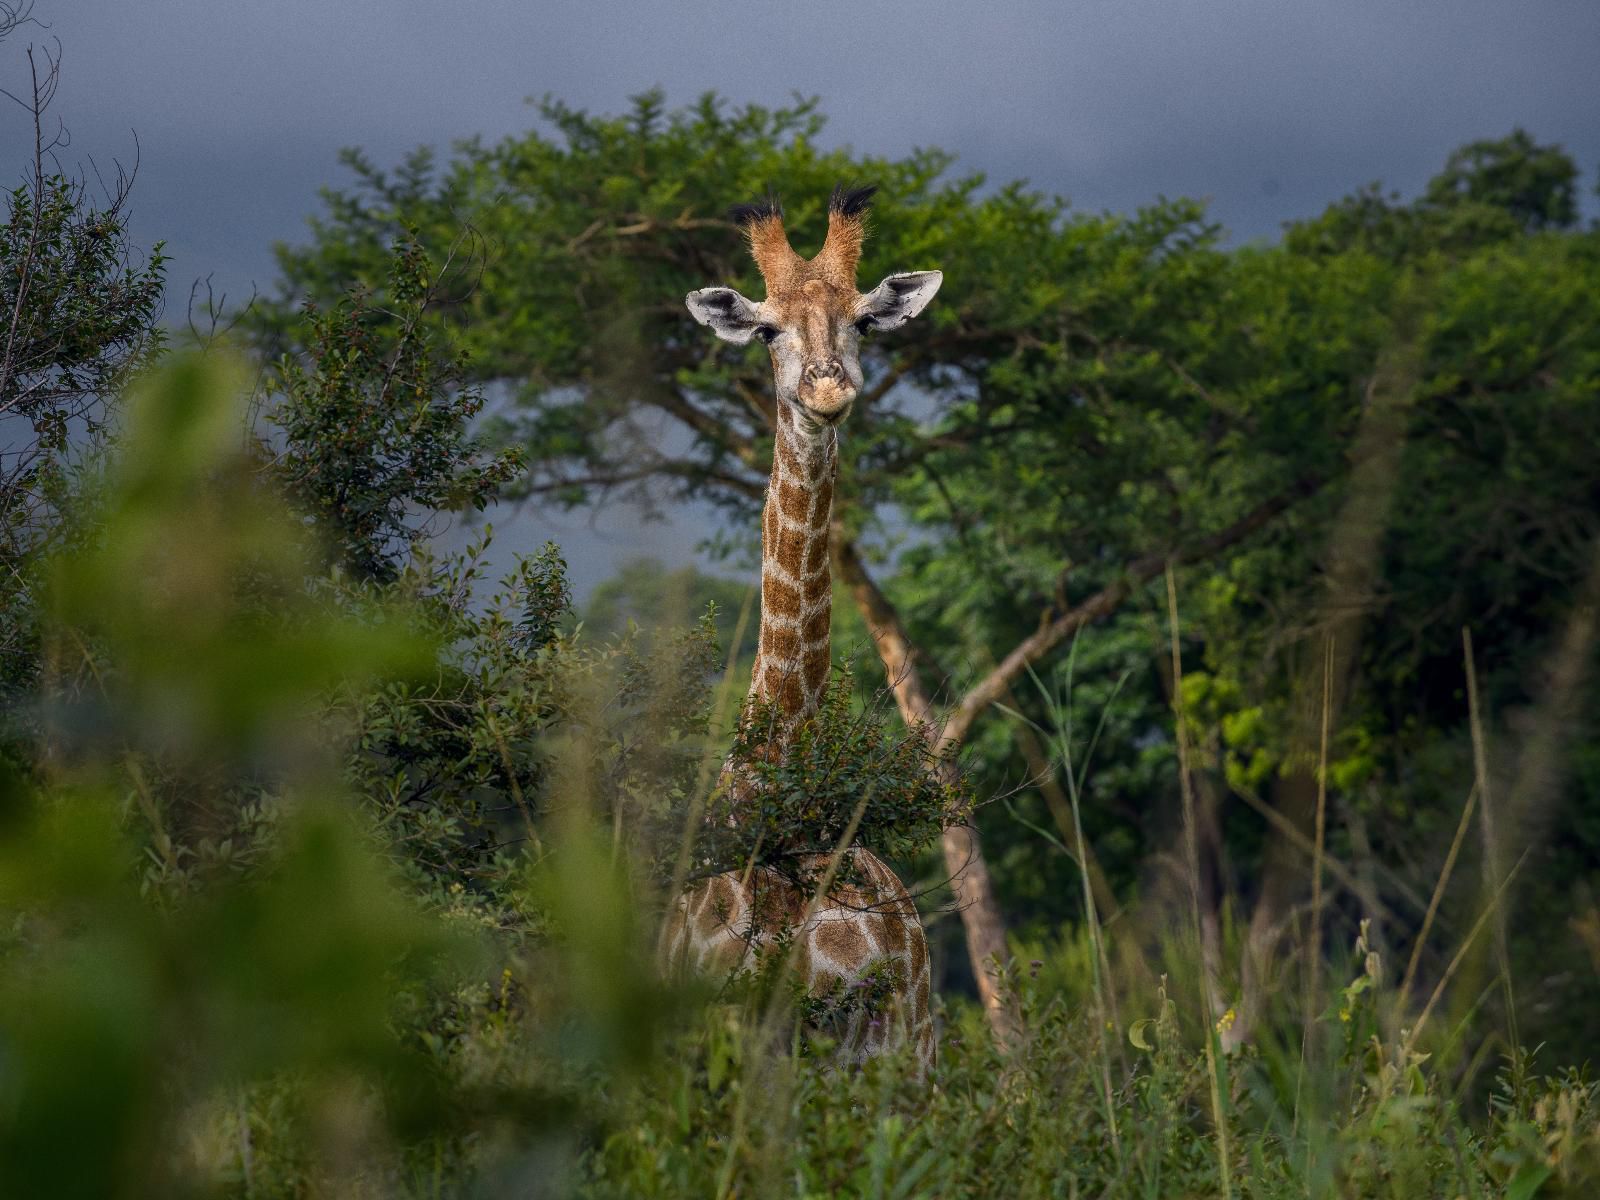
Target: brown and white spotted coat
<point>866,926</point>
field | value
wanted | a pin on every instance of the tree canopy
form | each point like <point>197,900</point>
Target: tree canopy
<point>1372,433</point>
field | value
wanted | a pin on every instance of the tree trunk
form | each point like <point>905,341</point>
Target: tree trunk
<point>983,925</point>
<point>1351,571</point>
<point>963,852</point>
<point>980,915</point>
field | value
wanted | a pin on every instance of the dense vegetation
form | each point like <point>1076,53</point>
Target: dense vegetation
<point>1256,588</point>
<point>1374,434</point>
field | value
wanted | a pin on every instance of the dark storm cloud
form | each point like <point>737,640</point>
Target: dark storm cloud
<point>1269,107</point>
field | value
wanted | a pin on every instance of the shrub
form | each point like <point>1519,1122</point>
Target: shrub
<point>847,777</point>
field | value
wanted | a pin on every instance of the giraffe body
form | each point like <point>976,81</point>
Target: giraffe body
<point>864,931</point>
<point>724,924</point>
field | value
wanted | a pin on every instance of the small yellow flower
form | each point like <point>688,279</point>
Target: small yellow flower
<point>1225,1021</point>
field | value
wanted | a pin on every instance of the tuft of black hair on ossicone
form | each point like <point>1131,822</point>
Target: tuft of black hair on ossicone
<point>761,210</point>
<point>851,202</point>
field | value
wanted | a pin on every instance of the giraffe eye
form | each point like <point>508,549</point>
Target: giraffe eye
<point>865,324</point>
<point>767,333</point>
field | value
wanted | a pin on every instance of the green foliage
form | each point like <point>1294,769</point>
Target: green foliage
<point>264,930</point>
<point>81,310</point>
<point>118,1018</point>
<point>1532,184</point>
<point>466,766</point>
<point>82,315</point>
<point>844,778</point>
<point>186,659</point>
<point>373,423</point>
<point>1489,191</point>
<point>725,1118</point>
<point>452,762</point>
<point>198,582</point>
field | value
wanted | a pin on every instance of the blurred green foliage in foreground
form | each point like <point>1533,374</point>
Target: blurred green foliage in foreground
<point>233,909</point>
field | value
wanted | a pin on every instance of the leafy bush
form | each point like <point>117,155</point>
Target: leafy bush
<point>259,885</point>
<point>724,1117</point>
<point>847,777</point>
<point>465,766</point>
<point>374,423</point>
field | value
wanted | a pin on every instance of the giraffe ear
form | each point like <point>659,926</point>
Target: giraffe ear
<point>899,298</point>
<point>730,316</point>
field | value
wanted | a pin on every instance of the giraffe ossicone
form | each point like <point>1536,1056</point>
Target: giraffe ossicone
<point>864,929</point>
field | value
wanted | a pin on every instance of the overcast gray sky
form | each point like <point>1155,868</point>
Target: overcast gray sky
<point>1271,108</point>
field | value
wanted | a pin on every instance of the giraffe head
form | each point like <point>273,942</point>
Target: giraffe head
<point>813,319</point>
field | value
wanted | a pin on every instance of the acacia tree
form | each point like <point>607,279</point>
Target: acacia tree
<point>1094,401</point>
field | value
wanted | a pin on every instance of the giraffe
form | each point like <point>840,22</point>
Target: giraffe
<point>863,930</point>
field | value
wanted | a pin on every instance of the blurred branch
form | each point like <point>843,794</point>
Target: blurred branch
<point>672,468</point>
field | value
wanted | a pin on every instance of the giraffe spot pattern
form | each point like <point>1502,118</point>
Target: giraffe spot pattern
<point>792,657</point>
<point>794,504</point>
<point>841,941</point>
<point>791,694</point>
<point>851,933</point>
<point>782,598</point>
<point>780,643</point>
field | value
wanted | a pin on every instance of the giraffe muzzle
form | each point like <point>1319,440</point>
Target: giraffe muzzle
<point>825,388</point>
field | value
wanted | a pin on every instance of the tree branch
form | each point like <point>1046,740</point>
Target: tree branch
<point>963,853</point>
<point>1134,576</point>
<point>902,663</point>
<point>714,431</point>
<point>673,468</point>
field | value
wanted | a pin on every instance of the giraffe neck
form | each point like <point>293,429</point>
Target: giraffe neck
<point>793,654</point>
